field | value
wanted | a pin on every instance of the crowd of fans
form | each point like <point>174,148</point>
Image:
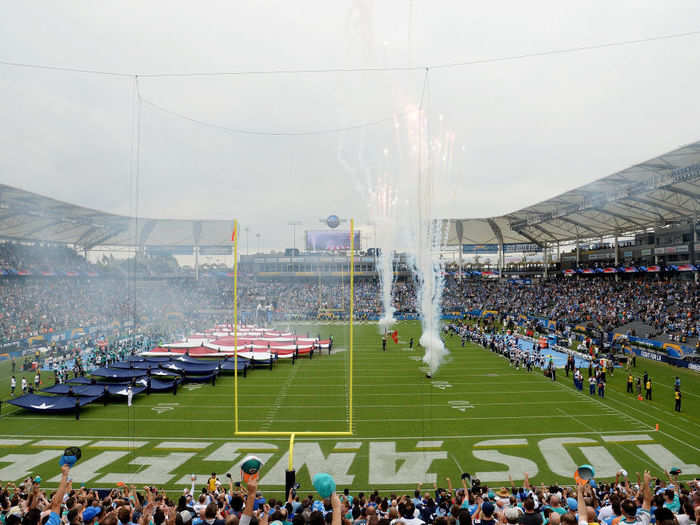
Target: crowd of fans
<point>30,307</point>
<point>34,305</point>
<point>664,501</point>
<point>38,259</point>
<point>668,308</point>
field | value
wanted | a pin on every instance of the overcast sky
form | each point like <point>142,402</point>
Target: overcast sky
<point>524,130</point>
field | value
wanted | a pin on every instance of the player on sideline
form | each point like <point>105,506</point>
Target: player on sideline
<point>384,342</point>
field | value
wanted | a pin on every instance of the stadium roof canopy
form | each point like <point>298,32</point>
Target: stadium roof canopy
<point>32,217</point>
<point>653,193</point>
<point>656,192</point>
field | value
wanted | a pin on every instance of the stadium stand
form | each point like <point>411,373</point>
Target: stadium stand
<point>646,305</point>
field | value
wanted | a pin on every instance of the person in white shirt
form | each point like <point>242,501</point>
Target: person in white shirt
<point>13,385</point>
<point>24,385</point>
<point>201,504</point>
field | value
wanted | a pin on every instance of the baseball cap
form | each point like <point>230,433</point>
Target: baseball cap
<point>90,513</point>
<point>70,456</point>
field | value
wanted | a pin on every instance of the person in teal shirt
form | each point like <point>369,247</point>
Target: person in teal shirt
<point>671,501</point>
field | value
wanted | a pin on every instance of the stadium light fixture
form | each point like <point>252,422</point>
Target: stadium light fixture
<point>294,225</point>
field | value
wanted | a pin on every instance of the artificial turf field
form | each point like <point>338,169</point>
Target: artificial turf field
<point>477,414</point>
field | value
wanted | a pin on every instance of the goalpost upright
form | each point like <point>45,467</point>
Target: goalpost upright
<point>282,433</point>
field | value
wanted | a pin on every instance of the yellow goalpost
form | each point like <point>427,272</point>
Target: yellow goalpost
<point>292,434</point>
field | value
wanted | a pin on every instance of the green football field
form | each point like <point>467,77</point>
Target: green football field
<point>477,414</point>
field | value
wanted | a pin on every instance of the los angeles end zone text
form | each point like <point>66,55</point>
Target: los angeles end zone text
<point>390,463</point>
<point>479,415</point>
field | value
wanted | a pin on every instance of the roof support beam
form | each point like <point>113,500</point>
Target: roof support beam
<point>662,206</point>
<point>605,225</point>
<point>146,231</point>
<point>496,230</point>
<point>540,228</point>
<point>196,232</point>
<point>619,216</point>
<point>86,235</point>
<point>644,210</point>
<point>459,230</point>
<point>63,227</point>
<point>113,232</point>
<point>680,191</point>
<point>530,238</point>
<point>579,225</point>
<point>50,222</point>
<point>501,250</point>
<point>658,164</point>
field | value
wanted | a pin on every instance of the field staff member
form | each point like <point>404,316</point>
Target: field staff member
<point>630,382</point>
<point>648,388</point>
<point>677,397</point>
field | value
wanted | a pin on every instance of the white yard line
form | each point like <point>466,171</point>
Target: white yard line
<point>413,394</point>
<point>412,384</point>
<point>665,412</point>
<point>281,394</point>
<point>685,393</point>
<point>299,420</point>
<point>625,416</point>
<point>573,418</point>
<point>329,438</point>
<point>642,423</point>
<point>445,405</point>
<point>5,414</point>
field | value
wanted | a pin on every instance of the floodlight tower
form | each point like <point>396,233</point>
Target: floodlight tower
<point>294,225</point>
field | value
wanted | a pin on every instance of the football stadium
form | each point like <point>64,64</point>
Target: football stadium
<point>314,285</point>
